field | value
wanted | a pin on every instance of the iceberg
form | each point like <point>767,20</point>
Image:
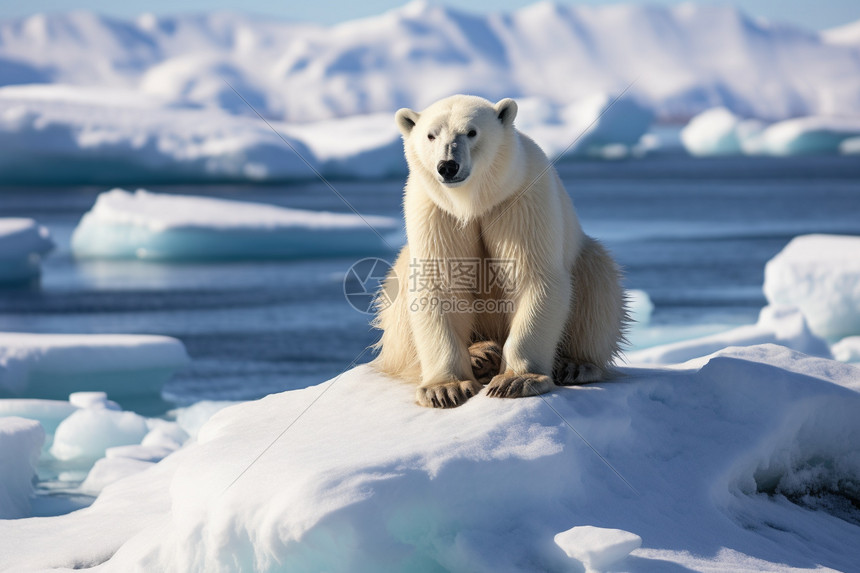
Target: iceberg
<point>718,131</point>
<point>90,135</point>
<point>807,135</point>
<point>23,242</point>
<point>154,226</point>
<point>209,97</point>
<point>820,274</point>
<point>783,325</point>
<point>684,59</point>
<point>600,125</point>
<point>20,444</point>
<point>698,466</point>
<point>55,365</point>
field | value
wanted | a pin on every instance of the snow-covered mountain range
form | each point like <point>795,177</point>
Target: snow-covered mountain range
<point>683,59</point>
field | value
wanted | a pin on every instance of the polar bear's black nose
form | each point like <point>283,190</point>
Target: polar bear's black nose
<point>448,169</point>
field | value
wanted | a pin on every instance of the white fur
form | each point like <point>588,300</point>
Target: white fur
<point>569,314</point>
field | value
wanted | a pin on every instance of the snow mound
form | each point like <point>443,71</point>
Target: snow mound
<point>20,444</point>
<point>783,325</point>
<point>718,131</point>
<point>365,480</point>
<point>22,244</point>
<point>820,274</point>
<point>55,365</point>
<point>155,226</point>
<point>596,547</point>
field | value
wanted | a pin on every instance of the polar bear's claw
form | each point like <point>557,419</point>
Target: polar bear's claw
<point>510,385</point>
<point>486,357</point>
<point>447,394</point>
<point>572,374</point>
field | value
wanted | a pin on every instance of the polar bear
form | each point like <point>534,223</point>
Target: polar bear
<point>479,194</point>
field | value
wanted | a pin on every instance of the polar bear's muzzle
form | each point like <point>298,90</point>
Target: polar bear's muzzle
<point>451,173</point>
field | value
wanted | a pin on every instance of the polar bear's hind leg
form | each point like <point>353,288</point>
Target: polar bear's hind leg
<point>598,318</point>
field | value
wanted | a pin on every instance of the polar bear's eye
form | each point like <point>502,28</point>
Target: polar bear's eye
<point>472,133</point>
<point>431,137</point>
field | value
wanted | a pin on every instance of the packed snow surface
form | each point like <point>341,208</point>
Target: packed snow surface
<point>153,226</point>
<point>20,443</point>
<point>55,365</point>
<point>744,460</point>
<point>22,244</point>
<point>820,274</point>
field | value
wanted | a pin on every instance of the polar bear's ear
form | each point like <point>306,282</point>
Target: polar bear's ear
<point>506,110</point>
<point>406,120</point>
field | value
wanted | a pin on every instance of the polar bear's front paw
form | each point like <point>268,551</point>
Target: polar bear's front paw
<point>447,394</point>
<point>486,357</point>
<point>511,385</point>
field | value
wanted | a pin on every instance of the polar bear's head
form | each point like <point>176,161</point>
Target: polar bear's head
<point>462,148</point>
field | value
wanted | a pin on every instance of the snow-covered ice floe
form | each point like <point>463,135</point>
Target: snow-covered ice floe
<point>718,131</point>
<point>23,242</point>
<point>820,274</point>
<point>777,324</point>
<point>20,443</point>
<point>55,365</point>
<point>744,460</point>
<point>154,226</point>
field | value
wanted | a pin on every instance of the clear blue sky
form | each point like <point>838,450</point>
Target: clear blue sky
<point>816,14</point>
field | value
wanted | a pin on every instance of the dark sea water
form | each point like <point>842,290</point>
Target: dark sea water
<point>695,234</point>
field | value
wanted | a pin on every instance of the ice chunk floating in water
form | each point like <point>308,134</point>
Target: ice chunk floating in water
<point>821,275</point>
<point>718,131</point>
<point>596,547</point>
<point>777,324</point>
<point>154,226</point>
<point>22,244</point>
<point>55,365</point>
